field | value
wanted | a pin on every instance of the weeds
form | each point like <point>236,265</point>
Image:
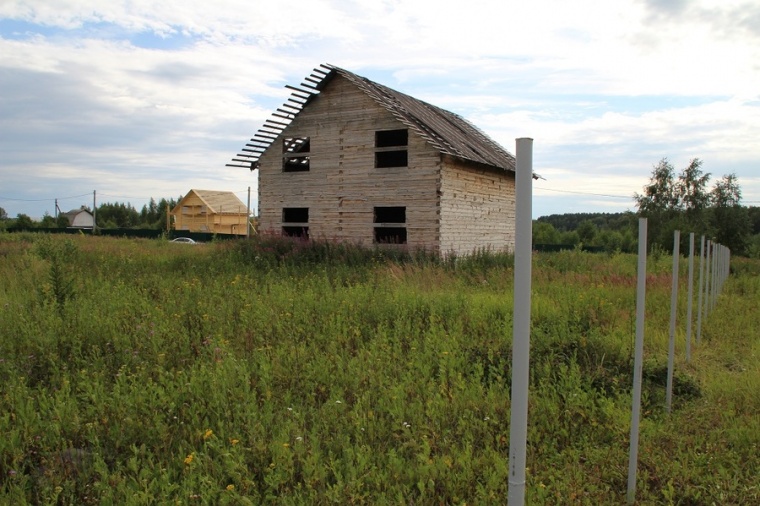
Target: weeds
<point>262,371</point>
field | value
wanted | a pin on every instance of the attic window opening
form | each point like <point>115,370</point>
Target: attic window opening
<point>296,154</point>
<point>391,138</point>
<point>391,148</point>
<point>387,228</point>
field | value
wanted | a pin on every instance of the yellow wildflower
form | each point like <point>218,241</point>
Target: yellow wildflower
<point>208,434</point>
<point>189,459</point>
<point>230,487</point>
<point>233,442</point>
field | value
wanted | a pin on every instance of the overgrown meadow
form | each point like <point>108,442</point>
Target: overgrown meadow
<point>145,372</point>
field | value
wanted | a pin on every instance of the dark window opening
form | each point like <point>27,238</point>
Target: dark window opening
<point>391,138</point>
<point>295,215</point>
<point>389,152</point>
<point>296,164</point>
<point>298,232</point>
<point>386,159</point>
<point>390,235</point>
<point>393,234</point>
<point>295,154</point>
<point>390,215</point>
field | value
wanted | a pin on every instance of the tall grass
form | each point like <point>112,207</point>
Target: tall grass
<point>144,372</point>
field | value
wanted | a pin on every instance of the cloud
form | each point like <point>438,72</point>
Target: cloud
<point>145,99</point>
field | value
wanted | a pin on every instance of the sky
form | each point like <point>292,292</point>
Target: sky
<point>124,100</point>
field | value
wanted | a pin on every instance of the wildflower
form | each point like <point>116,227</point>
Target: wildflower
<point>233,442</point>
<point>286,445</point>
<point>230,487</point>
<point>208,434</point>
<point>299,438</point>
<point>189,459</point>
<point>338,402</point>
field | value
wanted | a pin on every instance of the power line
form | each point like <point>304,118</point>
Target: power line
<point>583,193</point>
<point>45,200</point>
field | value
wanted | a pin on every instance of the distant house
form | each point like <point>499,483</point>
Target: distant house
<point>219,212</point>
<point>352,160</point>
<point>80,218</point>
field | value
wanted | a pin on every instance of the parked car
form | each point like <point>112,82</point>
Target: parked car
<point>184,240</point>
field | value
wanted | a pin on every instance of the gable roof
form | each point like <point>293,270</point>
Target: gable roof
<point>447,132</point>
<point>76,212</point>
<point>217,202</point>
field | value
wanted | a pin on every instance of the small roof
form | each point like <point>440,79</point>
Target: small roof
<point>447,132</point>
<point>75,212</point>
<point>218,202</point>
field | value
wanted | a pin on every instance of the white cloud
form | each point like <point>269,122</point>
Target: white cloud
<point>86,104</point>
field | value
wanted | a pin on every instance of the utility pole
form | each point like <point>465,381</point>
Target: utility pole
<point>248,216</point>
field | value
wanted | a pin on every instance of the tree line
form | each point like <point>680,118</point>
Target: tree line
<point>108,215</point>
<point>670,202</point>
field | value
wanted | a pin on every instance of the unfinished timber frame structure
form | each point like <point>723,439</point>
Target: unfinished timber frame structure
<point>349,159</point>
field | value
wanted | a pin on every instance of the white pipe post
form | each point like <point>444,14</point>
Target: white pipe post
<point>518,425</point>
<point>708,276</point>
<point>728,262</point>
<point>673,311</point>
<point>701,287</point>
<point>714,280</point>
<point>690,297</point>
<point>724,266</point>
<point>638,360</point>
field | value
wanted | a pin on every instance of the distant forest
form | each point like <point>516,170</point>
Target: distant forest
<point>615,231</point>
<point>597,231</point>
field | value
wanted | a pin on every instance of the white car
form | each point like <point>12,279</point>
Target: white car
<point>184,240</point>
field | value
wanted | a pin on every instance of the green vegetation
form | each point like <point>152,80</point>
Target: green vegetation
<point>683,203</point>
<point>145,372</point>
<point>108,214</point>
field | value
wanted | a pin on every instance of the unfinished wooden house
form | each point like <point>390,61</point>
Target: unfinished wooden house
<point>219,212</point>
<point>349,159</point>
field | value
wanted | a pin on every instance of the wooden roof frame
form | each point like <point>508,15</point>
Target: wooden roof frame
<point>447,132</point>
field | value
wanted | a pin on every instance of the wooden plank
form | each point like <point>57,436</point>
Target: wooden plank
<point>305,94</point>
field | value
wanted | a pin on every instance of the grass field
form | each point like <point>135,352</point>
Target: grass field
<point>145,372</point>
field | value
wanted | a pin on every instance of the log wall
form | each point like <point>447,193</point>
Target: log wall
<point>477,208</point>
<point>343,186</point>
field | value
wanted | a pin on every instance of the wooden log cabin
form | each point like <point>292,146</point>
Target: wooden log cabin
<point>349,159</point>
<point>220,212</point>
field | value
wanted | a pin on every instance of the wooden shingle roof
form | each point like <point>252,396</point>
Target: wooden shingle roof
<point>447,132</point>
<point>218,202</point>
